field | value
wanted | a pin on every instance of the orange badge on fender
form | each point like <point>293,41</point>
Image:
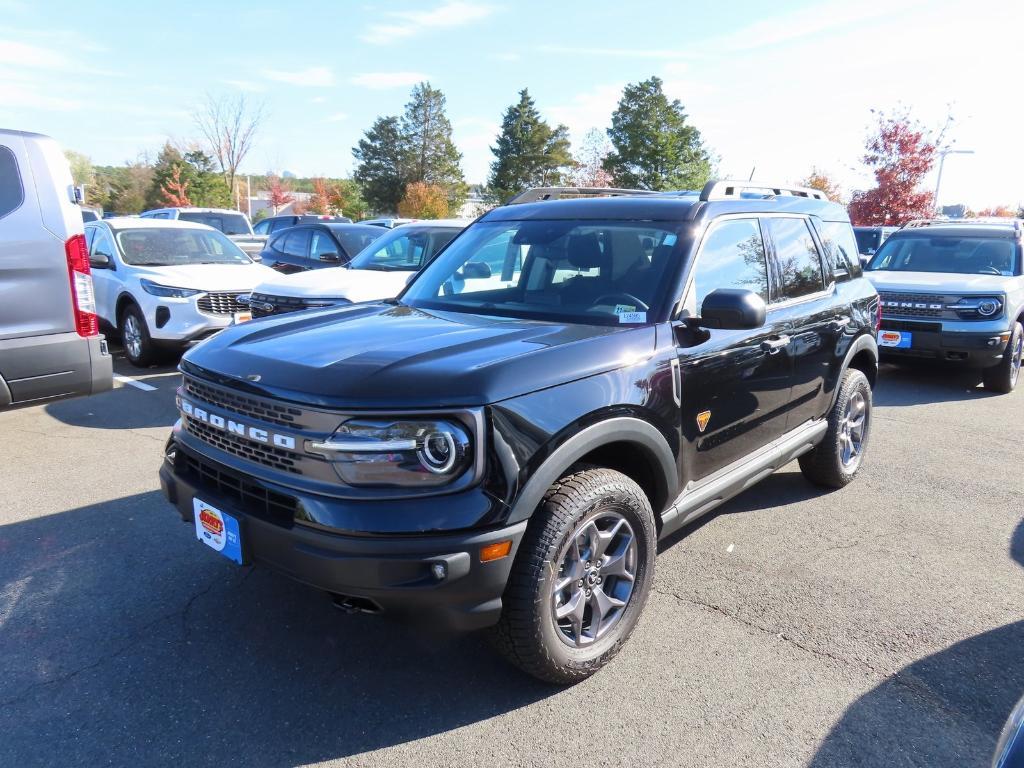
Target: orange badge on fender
<point>702,420</point>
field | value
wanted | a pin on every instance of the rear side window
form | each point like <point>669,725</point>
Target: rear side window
<point>732,256</point>
<point>797,262</point>
<point>12,194</point>
<point>280,224</point>
<point>840,249</point>
<point>295,244</point>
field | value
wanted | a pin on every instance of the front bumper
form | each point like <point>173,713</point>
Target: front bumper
<point>392,573</point>
<point>976,349</point>
<point>179,322</point>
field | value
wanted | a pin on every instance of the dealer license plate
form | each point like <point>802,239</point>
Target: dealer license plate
<point>898,339</point>
<point>217,530</point>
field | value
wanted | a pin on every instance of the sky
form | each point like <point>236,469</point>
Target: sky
<point>775,88</point>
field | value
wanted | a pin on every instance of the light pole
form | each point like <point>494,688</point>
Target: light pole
<point>942,161</point>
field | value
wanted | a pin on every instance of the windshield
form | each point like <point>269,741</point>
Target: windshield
<point>405,249</point>
<point>867,240</point>
<point>578,271</point>
<point>177,247</point>
<point>946,253</point>
<point>228,223</point>
<point>353,240</point>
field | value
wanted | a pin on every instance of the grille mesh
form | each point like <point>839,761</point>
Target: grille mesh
<point>282,304</point>
<point>221,304</point>
<point>912,305</point>
<point>267,455</point>
<point>246,406</point>
<point>249,496</point>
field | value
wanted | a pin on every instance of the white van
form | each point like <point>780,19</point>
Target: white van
<point>50,344</point>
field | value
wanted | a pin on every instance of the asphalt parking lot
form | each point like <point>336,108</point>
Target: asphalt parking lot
<point>879,625</point>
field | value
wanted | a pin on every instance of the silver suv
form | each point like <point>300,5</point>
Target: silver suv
<point>50,345</point>
<point>953,290</point>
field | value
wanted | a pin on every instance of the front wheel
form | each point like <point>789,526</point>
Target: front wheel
<point>581,577</point>
<point>138,346</point>
<point>834,462</point>
<point>1003,377</point>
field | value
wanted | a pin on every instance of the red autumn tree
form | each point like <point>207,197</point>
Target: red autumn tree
<point>320,201</point>
<point>175,191</point>
<point>280,193</point>
<point>901,154</point>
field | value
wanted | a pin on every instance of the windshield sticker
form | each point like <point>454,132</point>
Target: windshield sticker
<point>620,308</point>
<point>632,317</point>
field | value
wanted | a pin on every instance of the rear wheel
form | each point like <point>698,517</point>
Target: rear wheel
<point>834,462</point>
<point>1003,377</point>
<point>581,577</point>
<point>138,346</point>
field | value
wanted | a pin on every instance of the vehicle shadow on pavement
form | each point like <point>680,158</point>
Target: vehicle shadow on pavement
<point>122,408</point>
<point>957,700</point>
<point>926,382</point>
<point>124,641</point>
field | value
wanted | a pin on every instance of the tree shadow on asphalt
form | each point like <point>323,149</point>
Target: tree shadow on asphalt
<point>928,382</point>
<point>124,641</point>
<point>959,700</point>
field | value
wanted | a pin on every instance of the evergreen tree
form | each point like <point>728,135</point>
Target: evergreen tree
<point>208,188</point>
<point>529,153</point>
<point>170,168</point>
<point>431,155</point>
<point>654,146</point>
<point>383,158</point>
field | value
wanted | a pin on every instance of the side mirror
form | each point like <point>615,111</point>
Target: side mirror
<point>475,270</point>
<point>330,256</point>
<point>733,309</point>
<point>99,261</point>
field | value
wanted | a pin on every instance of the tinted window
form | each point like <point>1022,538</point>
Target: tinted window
<point>867,240</point>
<point>295,244</point>
<point>840,249</point>
<point>947,253</point>
<point>12,195</point>
<point>228,223</point>
<point>796,258</point>
<point>262,228</point>
<point>405,249</point>
<point>322,243</point>
<point>355,239</point>
<point>732,256</point>
<point>283,223</point>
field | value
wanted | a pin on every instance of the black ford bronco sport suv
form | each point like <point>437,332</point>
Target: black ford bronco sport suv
<point>567,382</point>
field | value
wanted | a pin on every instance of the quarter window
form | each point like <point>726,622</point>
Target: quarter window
<point>12,194</point>
<point>732,256</point>
<point>796,257</point>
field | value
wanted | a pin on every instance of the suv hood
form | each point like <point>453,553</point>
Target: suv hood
<point>393,356</point>
<point>207,277</point>
<point>936,282</point>
<point>337,283</point>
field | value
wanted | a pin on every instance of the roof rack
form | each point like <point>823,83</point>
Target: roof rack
<point>538,194</point>
<point>718,189</point>
<point>976,221</point>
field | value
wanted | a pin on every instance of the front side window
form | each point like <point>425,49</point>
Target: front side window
<point>322,244</point>
<point>152,247</point>
<point>577,271</point>
<point>867,240</point>
<point>295,243</point>
<point>731,256</point>
<point>102,245</point>
<point>840,249</point>
<point>405,249</point>
<point>797,261</point>
<point>929,252</point>
<point>12,194</point>
<point>262,228</point>
<point>228,223</point>
<point>355,239</point>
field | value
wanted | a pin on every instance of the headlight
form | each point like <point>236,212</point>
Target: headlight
<point>167,291</point>
<point>978,306</point>
<point>399,452</point>
<point>988,307</point>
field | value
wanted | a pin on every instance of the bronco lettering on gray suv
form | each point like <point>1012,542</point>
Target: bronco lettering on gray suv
<point>569,381</point>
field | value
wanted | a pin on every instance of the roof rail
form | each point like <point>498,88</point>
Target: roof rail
<point>1017,224</point>
<point>718,189</point>
<point>538,194</point>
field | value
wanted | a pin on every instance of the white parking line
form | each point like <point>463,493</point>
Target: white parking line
<point>133,383</point>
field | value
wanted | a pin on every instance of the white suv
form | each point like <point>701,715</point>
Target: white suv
<point>167,284</point>
<point>379,271</point>
<point>234,224</point>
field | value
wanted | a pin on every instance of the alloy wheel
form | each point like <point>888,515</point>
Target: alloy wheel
<point>1015,361</point>
<point>596,573</point>
<point>852,431</point>
<point>132,336</point>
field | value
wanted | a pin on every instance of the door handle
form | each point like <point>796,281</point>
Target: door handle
<point>774,346</point>
<point>839,323</point>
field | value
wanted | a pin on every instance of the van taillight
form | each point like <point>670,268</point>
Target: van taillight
<point>83,298</point>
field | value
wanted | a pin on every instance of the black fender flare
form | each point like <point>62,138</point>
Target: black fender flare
<point>866,341</point>
<point>627,429</point>
<point>124,298</point>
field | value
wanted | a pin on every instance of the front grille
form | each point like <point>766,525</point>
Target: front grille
<point>268,455</point>
<point>250,497</point>
<point>221,304</point>
<point>912,305</point>
<point>280,304</point>
<point>911,325</point>
<point>273,413</point>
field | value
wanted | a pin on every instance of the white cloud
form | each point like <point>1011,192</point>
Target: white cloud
<point>337,117</point>
<point>245,85</point>
<point>623,53</point>
<point>32,56</point>
<point>311,77</point>
<point>381,80</point>
<point>406,24</point>
<point>26,96</point>
<point>590,109</point>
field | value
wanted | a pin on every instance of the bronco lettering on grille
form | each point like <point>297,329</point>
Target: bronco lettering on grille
<point>231,426</point>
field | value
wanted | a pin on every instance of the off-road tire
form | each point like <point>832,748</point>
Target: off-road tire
<point>527,634</point>
<point>823,465</point>
<point>1001,377</point>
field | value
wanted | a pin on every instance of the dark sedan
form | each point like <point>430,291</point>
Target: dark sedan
<point>314,246</point>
